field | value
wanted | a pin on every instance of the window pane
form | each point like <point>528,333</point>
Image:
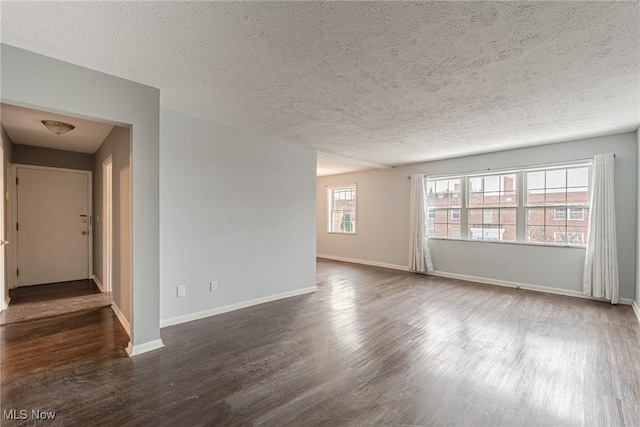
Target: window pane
<point>454,231</point>
<point>508,233</point>
<point>492,198</point>
<point>575,214</point>
<point>556,216</point>
<point>442,216</point>
<point>475,231</point>
<point>508,216</point>
<point>475,184</point>
<point>578,195</point>
<point>492,190</point>
<point>556,196</point>
<point>476,199</point>
<point>475,216</point>
<point>487,216</point>
<point>536,234</point>
<point>535,181</point>
<point>508,198</point>
<point>536,216</point>
<point>441,230</point>
<point>492,183</point>
<point>578,177</point>
<point>556,179</point>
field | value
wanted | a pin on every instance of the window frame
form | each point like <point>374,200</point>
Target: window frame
<point>523,212</point>
<point>566,207</point>
<point>331,210</point>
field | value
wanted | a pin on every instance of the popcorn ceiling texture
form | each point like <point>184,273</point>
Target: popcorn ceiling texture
<point>385,83</point>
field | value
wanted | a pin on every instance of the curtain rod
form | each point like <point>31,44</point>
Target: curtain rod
<point>559,164</point>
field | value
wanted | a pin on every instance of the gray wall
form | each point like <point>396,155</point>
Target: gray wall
<point>118,145</point>
<point>235,207</point>
<point>383,215</point>
<point>40,156</point>
<point>36,81</point>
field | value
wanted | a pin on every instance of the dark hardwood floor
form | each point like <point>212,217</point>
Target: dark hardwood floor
<point>54,299</point>
<point>371,347</point>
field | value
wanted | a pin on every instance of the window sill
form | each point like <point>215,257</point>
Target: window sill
<point>342,233</point>
<point>543,245</point>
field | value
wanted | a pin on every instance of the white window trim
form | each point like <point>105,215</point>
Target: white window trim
<point>330,190</point>
<point>522,209</point>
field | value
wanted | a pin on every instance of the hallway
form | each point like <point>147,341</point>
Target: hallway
<point>51,300</point>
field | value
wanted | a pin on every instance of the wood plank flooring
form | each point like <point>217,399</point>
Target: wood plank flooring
<point>54,299</point>
<point>372,347</point>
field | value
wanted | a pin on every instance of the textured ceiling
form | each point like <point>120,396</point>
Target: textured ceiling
<point>24,126</point>
<point>377,82</point>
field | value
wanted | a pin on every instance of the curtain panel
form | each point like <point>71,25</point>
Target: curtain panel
<point>419,255</point>
<point>600,278</point>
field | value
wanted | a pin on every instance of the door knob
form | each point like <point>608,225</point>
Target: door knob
<point>84,233</point>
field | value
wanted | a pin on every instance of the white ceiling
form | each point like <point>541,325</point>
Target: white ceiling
<point>382,83</point>
<point>24,126</point>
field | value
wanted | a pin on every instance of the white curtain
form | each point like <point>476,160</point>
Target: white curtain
<point>419,255</point>
<point>601,264</point>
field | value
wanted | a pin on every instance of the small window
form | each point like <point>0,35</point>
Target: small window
<point>431,214</point>
<point>455,213</point>
<point>342,209</point>
<point>576,214</point>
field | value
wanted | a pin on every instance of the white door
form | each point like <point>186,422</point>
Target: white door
<point>52,227</point>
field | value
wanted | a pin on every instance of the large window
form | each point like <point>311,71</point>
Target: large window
<point>342,209</point>
<point>535,205</point>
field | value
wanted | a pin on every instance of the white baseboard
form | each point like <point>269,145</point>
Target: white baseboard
<point>97,282</point>
<point>525,286</point>
<point>227,308</point>
<point>134,350</point>
<point>123,320</point>
<point>636,309</point>
<point>365,262</point>
<point>5,304</point>
<point>538,288</point>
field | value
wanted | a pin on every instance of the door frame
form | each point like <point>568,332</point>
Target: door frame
<point>107,223</point>
<point>14,214</point>
<point>8,230</point>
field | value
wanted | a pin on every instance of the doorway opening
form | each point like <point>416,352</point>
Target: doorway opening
<point>69,216</point>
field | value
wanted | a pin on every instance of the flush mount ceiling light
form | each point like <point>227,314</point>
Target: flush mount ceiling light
<point>58,127</point>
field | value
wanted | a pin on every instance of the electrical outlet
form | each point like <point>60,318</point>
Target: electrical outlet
<point>213,286</point>
<point>182,291</point>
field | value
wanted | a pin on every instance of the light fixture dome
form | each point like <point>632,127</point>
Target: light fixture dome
<point>58,127</point>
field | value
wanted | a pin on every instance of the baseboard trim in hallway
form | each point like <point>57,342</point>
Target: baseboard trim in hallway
<point>121,318</point>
